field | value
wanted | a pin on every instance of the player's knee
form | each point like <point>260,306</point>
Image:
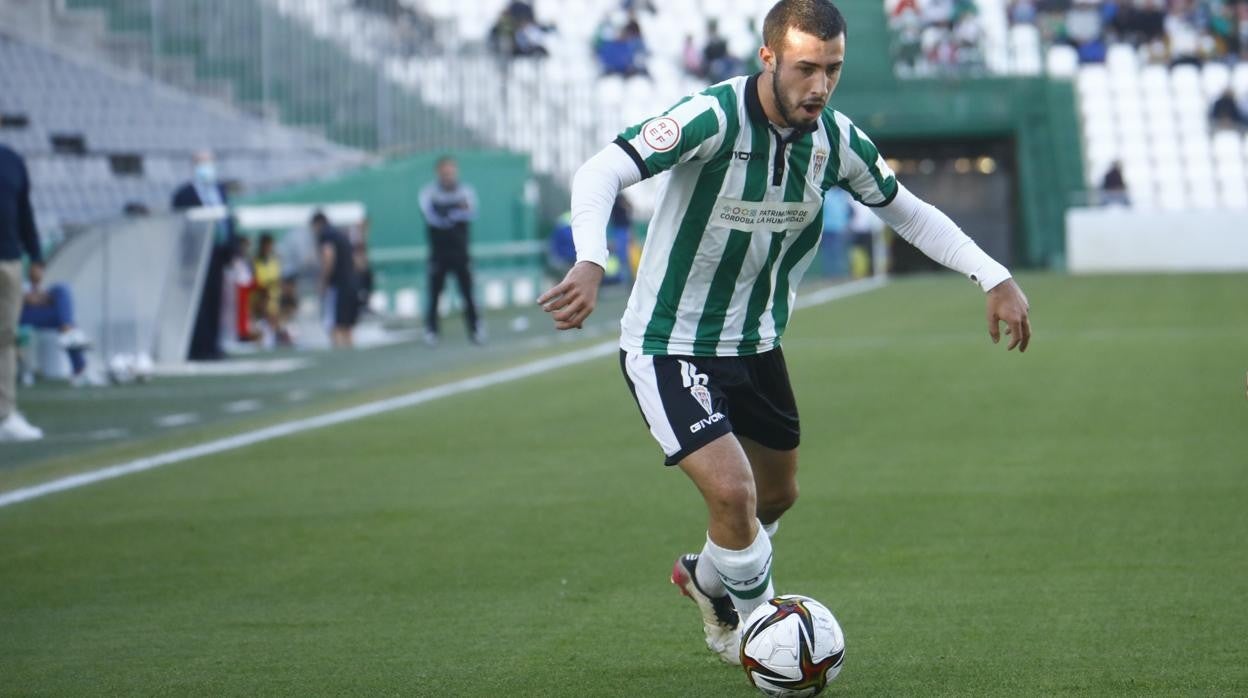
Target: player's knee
<point>734,499</point>
<point>775,503</point>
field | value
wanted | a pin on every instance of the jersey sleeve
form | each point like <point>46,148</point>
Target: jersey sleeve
<point>864,173</point>
<point>693,129</point>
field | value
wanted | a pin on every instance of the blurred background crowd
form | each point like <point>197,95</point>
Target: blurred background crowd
<point>181,149</point>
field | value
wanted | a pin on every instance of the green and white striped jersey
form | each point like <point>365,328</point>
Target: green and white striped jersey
<point>738,220</point>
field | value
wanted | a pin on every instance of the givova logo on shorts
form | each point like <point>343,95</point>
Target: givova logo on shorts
<point>696,383</point>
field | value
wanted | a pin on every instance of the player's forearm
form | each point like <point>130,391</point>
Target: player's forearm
<point>929,229</point>
<point>594,189</point>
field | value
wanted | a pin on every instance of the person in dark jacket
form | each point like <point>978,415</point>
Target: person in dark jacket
<point>204,189</point>
<point>449,206</point>
<point>17,234</point>
<point>338,285</point>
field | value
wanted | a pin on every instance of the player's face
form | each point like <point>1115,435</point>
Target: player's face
<point>805,72</point>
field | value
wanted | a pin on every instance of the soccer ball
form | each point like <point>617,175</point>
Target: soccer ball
<point>792,646</point>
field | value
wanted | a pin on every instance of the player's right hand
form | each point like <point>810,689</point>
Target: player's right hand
<point>572,300</point>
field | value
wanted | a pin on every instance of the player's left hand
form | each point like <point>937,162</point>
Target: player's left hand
<point>1006,303</point>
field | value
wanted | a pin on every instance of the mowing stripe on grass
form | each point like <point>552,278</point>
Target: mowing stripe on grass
<point>369,409</point>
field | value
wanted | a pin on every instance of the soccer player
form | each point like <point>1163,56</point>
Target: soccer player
<point>734,228</point>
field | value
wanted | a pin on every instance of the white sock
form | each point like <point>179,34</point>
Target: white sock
<point>771,528</point>
<point>706,574</point>
<point>746,573</point>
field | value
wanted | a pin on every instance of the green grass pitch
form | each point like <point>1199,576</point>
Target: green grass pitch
<point>1067,522</point>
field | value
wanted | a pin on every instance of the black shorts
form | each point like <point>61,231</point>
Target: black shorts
<point>342,307</point>
<point>689,401</point>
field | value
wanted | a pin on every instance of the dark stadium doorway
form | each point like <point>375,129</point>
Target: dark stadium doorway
<point>971,180</point>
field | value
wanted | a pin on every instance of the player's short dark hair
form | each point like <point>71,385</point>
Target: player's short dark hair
<point>319,218</point>
<point>815,17</point>
<point>442,160</point>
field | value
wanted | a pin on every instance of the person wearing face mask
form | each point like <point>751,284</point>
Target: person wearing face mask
<point>205,190</point>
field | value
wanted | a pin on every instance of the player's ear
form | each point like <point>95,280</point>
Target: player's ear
<point>768,58</point>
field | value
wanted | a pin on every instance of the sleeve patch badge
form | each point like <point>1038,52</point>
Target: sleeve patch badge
<point>661,134</point>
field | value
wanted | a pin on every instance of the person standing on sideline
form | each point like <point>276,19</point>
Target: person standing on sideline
<point>734,228</point>
<point>17,233</point>
<point>449,206</point>
<point>340,305</point>
<point>204,190</point>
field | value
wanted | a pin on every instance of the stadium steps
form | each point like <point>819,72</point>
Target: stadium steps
<point>114,118</point>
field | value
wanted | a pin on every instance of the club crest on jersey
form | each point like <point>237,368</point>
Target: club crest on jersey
<point>821,157</point>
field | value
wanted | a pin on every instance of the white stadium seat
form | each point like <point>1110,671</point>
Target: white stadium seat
<point>1239,78</point>
<point>1121,59</point>
<point>1025,48</point>
<point>1228,146</point>
<point>1185,81</point>
<point>1215,78</point>
<point>1233,192</point>
<point>1092,80</point>
<point>1063,61</point>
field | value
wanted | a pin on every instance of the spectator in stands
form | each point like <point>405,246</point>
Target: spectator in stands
<point>266,301</point>
<point>1022,12</point>
<point>516,32</point>
<point>907,27</point>
<point>691,59</point>
<point>625,54</point>
<point>53,309</point>
<point>1114,187</point>
<point>1222,27</point>
<point>935,35</point>
<point>718,63</point>
<point>204,189</point>
<point>1085,31</point>
<point>449,206</point>
<point>17,233</point>
<point>340,306</point>
<point>635,7</point>
<point>1167,31</point>
<point>1226,113</point>
<point>1183,34</point>
<point>413,29</point>
<point>1241,13</point>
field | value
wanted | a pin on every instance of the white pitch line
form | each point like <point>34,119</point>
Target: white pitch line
<point>831,293</point>
<point>241,406</point>
<point>369,409</point>
<point>176,420</point>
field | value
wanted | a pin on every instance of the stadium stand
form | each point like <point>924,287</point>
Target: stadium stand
<point>420,75</point>
<point>1144,98</point>
<point>96,140</point>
